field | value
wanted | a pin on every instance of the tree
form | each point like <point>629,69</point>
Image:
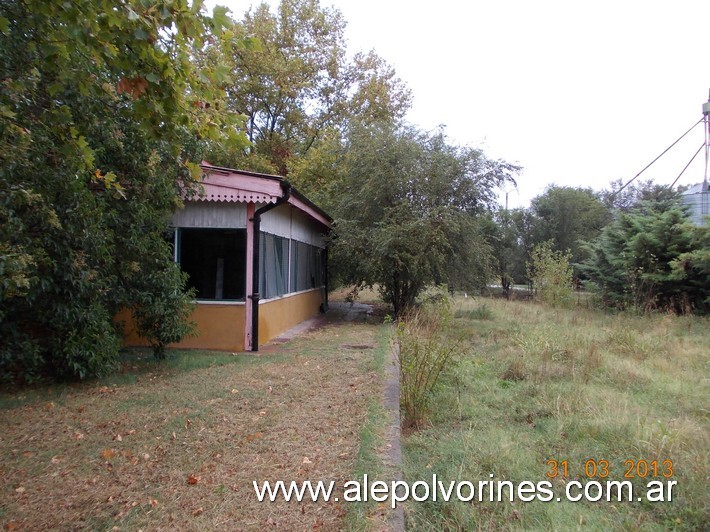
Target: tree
<point>567,217</point>
<point>99,110</point>
<point>510,234</point>
<point>624,198</point>
<point>693,268</point>
<point>408,212</point>
<point>551,275</point>
<point>652,257</point>
<point>295,83</point>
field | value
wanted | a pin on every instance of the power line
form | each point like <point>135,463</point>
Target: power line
<point>687,165</point>
<point>661,155</point>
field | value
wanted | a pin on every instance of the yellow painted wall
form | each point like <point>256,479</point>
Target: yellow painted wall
<point>279,315</point>
<point>219,327</point>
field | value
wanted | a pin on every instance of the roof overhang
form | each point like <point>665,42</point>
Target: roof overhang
<point>222,184</point>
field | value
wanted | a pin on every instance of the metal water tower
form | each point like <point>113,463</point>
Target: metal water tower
<point>697,197</point>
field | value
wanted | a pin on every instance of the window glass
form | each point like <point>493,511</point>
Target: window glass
<point>215,260</point>
<point>306,266</point>
<point>273,265</point>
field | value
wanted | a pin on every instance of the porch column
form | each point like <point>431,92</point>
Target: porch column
<point>249,276</point>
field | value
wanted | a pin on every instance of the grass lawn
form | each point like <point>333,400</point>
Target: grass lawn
<point>537,384</point>
<point>176,445</point>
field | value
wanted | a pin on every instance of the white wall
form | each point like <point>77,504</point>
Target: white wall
<point>210,214</point>
<point>288,222</point>
<point>284,220</point>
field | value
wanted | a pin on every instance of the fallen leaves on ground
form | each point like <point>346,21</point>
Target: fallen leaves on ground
<point>163,452</point>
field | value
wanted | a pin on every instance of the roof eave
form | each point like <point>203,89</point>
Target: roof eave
<point>261,188</point>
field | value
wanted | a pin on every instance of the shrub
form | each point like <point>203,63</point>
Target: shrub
<point>94,157</point>
<point>551,274</point>
<point>425,348</point>
<point>652,258</point>
<point>163,317</point>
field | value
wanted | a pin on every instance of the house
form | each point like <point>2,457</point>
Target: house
<point>254,250</point>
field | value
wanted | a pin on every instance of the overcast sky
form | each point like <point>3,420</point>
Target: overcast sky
<point>576,93</point>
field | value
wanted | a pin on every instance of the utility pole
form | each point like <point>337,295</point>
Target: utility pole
<point>706,115</point>
<point>705,190</point>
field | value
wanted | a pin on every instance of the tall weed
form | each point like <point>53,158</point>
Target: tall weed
<point>426,346</point>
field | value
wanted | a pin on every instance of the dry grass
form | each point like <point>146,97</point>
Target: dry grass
<point>369,296</point>
<point>180,449</point>
<point>538,383</point>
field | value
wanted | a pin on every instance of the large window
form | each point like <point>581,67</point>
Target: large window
<point>215,260</point>
<point>273,266</point>
<point>306,266</point>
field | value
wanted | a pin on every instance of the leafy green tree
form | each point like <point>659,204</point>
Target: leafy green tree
<point>567,217</point>
<point>525,224</point>
<point>295,83</point>
<point>693,268</point>
<point>99,108</point>
<point>652,257</point>
<point>510,234</point>
<point>408,212</point>
<point>551,275</point>
<point>319,172</point>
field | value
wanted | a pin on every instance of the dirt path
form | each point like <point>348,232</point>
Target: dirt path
<point>179,450</point>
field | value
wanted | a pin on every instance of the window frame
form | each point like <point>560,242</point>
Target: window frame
<point>178,257</point>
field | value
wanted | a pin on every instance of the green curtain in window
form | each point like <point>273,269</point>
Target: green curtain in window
<point>273,266</point>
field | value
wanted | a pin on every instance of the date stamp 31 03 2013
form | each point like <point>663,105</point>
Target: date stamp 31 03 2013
<point>593,468</point>
<point>597,479</point>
